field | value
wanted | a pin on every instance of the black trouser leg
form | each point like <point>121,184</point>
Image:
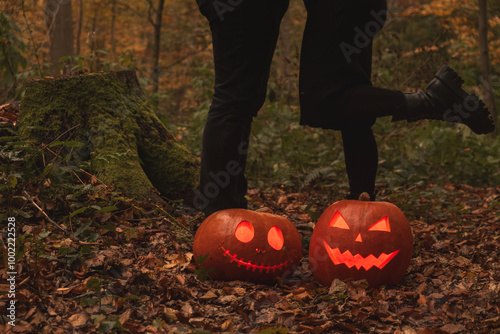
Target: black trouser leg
<point>361,158</point>
<point>244,39</point>
<point>222,181</point>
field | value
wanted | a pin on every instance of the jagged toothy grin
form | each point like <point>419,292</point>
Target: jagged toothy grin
<point>357,260</point>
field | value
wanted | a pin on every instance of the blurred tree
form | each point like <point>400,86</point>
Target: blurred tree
<point>488,93</point>
<point>112,30</point>
<point>155,18</point>
<point>79,26</point>
<point>60,24</point>
<point>97,36</point>
<point>11,58</point>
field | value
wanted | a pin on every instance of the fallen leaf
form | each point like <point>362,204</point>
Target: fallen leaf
<point>125,316</point>
<point>181,279</point>
<point>209,295</point>
<point>337,288</point>
<point>78,319</point>
<point>453,328</point>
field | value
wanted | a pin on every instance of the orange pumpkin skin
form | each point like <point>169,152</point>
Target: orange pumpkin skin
<point>356,240</point>
<point>252,259</point>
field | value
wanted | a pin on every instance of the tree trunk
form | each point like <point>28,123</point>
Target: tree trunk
<point>488,92</point>
<point>122,141</point>
<point>79,27</point>
<point>112,31</point>
<point>60,20</point>
<point>156,22</point>
<point>97,41</point>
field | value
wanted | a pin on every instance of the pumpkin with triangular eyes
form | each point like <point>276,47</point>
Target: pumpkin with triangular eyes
<point>240,244</point>
<point>358,239</point>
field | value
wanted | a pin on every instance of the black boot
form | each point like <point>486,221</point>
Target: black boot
<point>444,99</point>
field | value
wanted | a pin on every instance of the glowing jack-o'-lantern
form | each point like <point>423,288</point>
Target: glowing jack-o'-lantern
<point>239,244</point>
<point>358,239</point>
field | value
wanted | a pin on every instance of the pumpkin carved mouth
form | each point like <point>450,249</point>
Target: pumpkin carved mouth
<point>250,266</point>
<point>358,260</point>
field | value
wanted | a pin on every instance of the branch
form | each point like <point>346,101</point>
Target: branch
<point>71,236</point>
<point>151,10</point>
<point>44,213</point>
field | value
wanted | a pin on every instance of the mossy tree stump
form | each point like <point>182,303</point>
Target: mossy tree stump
<point>123,141</point>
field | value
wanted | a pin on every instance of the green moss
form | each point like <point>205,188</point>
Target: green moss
<point>162,155</point>
<point>125,143</point>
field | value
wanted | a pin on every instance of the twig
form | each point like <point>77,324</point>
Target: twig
<point>62,134</point>
<point>47,147</point>
<point>92,175</point>
<point>174,220</point>
<point>43,212</point>
<point>72,237</point>
<point>79,179</point>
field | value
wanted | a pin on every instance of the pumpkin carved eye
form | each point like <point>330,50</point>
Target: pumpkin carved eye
<point>381,225</point>
<point>244,232</point>
<point>275,238</point>
<point>338,221</point>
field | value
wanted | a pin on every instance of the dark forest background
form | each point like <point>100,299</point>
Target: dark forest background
<point>91,259</point>
<point>168,43</point>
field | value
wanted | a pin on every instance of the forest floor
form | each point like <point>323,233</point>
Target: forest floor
<point>137,273</point>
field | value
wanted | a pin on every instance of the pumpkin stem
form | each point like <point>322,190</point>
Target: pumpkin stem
<point>364,197</point>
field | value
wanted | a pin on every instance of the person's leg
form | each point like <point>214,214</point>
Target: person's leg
<point>244,37</point>
<point>223,159</point>
<point>443,100</point>
<point>335,87</point>
<point>361,158</point>
<point>335,80</point>
<point>336,64</point>
<point>336,90</point>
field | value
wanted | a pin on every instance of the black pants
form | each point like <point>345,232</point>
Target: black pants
<point>335,87</point>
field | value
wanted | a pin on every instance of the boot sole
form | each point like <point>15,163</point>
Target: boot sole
<point>476,116</point>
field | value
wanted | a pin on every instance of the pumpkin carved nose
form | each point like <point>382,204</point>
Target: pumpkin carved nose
<point>358,238</point>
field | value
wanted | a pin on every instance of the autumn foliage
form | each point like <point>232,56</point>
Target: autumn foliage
<point>90,259</point>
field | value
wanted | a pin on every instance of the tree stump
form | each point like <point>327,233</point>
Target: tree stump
<point>120,138</point>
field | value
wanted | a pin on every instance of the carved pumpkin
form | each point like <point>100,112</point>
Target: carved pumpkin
<point>358,239</point>
<point>239,244</point>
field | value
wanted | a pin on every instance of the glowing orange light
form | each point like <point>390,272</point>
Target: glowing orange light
<point>338,221</point>
<point>275,238</point>
<point>358,238</point>
<point>244,232</point>
<point>381,225</point>
<point>248,265</point>
<point>357,260</point>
